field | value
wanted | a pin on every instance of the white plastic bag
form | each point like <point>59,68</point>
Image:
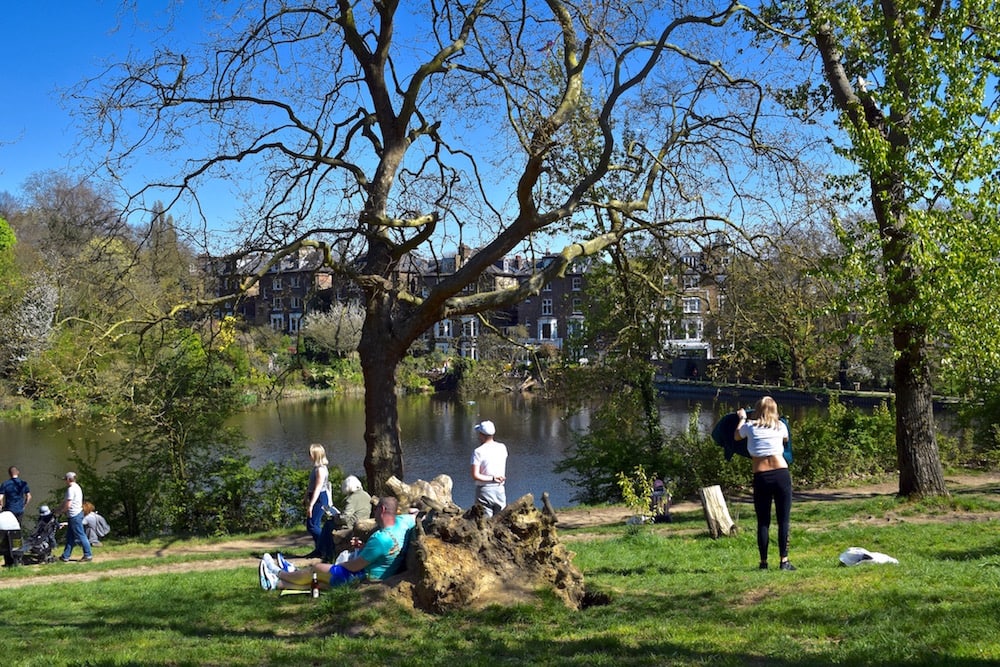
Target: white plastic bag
<point>345,556</point>
<point>857,555</point>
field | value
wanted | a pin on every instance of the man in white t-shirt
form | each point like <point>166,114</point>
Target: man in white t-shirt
<point>72,507</point>
<point>489,469</point>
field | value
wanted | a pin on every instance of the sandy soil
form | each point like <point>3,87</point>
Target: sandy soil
<point>230,552</point>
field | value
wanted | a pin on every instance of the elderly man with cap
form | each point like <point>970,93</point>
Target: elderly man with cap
<point>72,507</point>
<point>489,469</point>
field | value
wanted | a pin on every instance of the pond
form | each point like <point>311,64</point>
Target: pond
<point>436,433</point>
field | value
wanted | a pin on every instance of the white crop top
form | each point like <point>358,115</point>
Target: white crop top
<point>764,441</point>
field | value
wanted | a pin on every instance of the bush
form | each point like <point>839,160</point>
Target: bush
<point>700,462</point>
<point>846,444</point>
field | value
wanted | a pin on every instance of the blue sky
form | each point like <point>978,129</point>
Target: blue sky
<point>51,47</point>
<point>46,48</point>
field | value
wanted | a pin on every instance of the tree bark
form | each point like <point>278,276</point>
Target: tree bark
<point>920,471</point>
<point>380,354</point>
<point>384,455</point>
<point>716,512</point>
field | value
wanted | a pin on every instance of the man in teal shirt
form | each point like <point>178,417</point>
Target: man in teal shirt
<point>382,556</point>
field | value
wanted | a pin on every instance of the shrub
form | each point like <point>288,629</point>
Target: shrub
<point>845,444</point>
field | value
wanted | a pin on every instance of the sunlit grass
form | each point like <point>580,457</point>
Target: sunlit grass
<point>675,597</point>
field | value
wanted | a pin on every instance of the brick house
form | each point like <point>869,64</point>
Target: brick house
<point>281,297</point>
<point>699,296</point>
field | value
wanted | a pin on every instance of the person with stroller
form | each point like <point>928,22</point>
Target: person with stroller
<point>659,503</point>
<point>72,507</point>
<point>15,494</point>
<point>37,547</point>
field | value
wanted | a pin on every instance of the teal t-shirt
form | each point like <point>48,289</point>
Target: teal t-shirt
<point>386,548</point>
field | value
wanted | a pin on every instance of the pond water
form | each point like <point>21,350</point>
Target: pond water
<point>436,433</point>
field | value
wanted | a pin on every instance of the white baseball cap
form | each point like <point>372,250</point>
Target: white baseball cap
<point>486,427</point>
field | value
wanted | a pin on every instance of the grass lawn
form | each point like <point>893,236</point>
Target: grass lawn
<point>674,597</point>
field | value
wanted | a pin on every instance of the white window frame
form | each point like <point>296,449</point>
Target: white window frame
<point>470,327</point>
<point>553,325</point>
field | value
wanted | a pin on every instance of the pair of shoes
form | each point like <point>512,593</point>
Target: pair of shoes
<point>785,565</point>
<point>268,562</point>
<point>763,565</point>
<point>64,559</point>
<point>312,554</point>
<point>284,564</point>
<point>268,579</point>
<point>86,559</point>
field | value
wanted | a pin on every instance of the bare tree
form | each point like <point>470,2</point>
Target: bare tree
<point>377,131</point>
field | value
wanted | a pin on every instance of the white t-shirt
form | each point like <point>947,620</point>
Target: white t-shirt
<point>764,441</point>
<point>490,459</point>
<point>74,494</point>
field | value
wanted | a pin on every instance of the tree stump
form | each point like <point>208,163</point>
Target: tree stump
<point>473,560</point>
<point>716,512</point>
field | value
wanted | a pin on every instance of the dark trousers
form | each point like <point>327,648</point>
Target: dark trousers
<point>772,486</point>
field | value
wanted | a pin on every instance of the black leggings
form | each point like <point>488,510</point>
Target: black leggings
<point>773,485</point>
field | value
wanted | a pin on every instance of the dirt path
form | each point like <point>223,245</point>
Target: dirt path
<point>232,553</point>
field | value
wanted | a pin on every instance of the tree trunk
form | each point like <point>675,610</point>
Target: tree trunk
<point>920,471</point>
<point>383,452</point>
<point>716,512</point>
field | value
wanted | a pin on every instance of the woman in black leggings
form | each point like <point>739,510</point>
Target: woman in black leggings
<point>771,480</point>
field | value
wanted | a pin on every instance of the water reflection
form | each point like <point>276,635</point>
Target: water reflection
<point>436,433</point>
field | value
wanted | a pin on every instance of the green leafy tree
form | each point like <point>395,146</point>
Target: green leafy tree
<point>630,310</point>
<point>175,460</point>
<point>914,88</point>
<point>7,237</point>
<point>9,273</point>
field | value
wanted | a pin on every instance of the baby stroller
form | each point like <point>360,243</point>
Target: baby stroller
<point>659,503</point>
<point>37,547</point>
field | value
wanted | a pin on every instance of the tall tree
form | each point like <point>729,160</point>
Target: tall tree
<point>379,130</point>
<point>775,322</point>
<point>914,84</point>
